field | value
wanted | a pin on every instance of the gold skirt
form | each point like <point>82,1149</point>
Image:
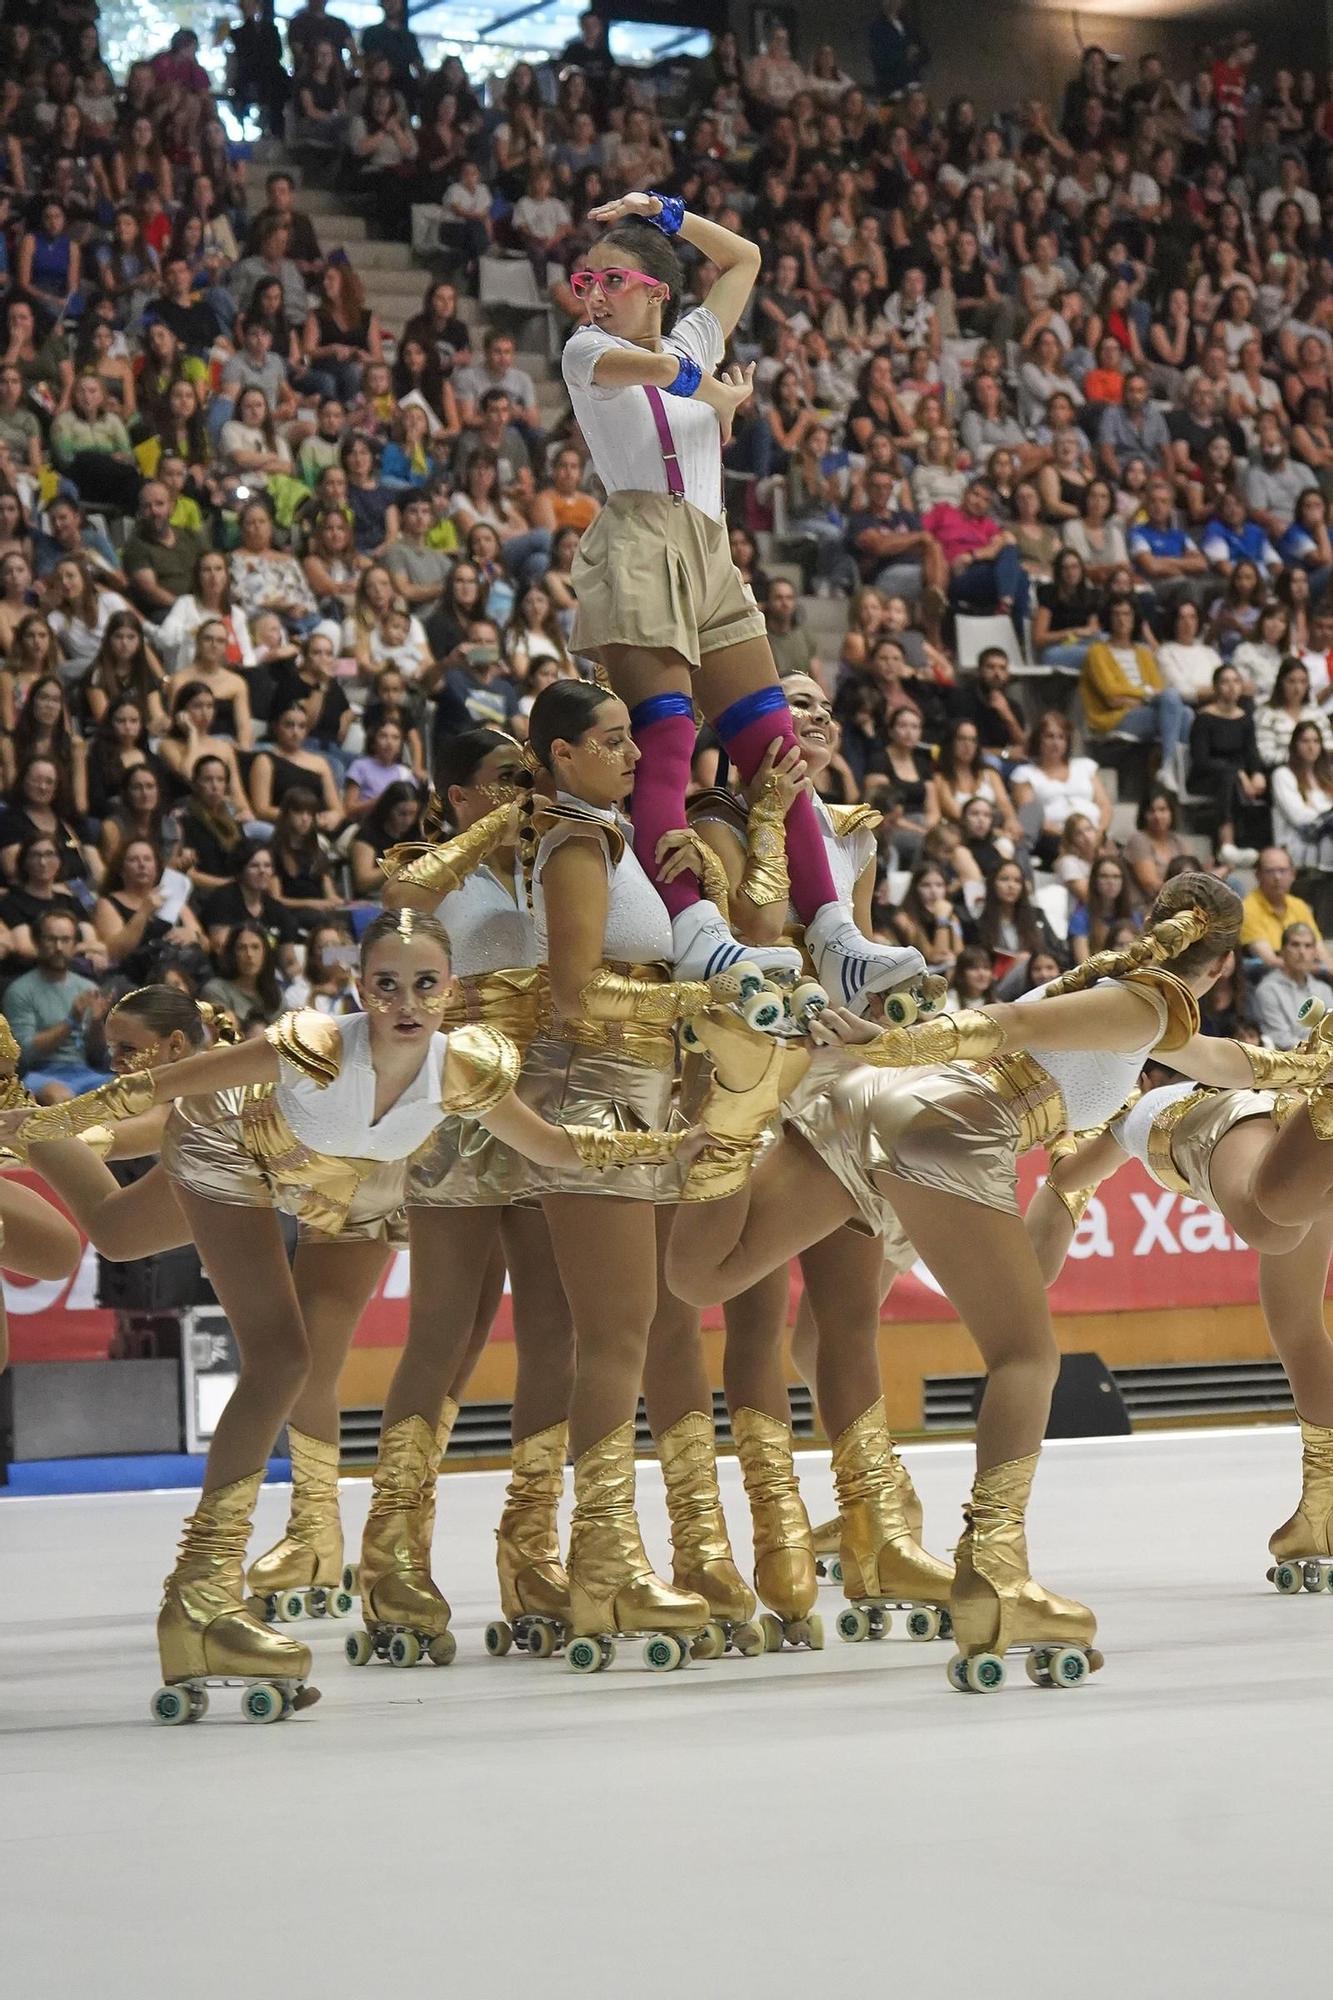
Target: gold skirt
<point>465,1166</point>
<point>947,1129</point>
<point>207,1149</point>
<point>569,1084</point>
<point>1197,1134</point>
<point>658,573</point>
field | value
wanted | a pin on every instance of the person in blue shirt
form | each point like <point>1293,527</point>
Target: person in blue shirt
<point>1232,537</point>
<point>1164,555</point>
<point>1306,544</point>
<point>56,1017</point>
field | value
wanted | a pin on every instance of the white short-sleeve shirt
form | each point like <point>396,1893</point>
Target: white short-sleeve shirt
<point>618,423</point>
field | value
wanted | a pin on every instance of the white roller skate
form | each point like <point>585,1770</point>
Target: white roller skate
<point>851,967</point>
<point>704,947</point>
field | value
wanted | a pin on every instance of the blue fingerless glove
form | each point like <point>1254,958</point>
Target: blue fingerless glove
<point>673,213</point>
<point>688,377</point>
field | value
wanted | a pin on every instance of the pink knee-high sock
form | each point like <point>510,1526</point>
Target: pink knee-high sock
<point>665,733</point>
<point>747,729</point>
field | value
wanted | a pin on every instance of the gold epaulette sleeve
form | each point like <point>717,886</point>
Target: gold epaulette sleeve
<point>481,1067</point>
<point>851,819</point>
<point>548,817</point>
<point>310,1041</point>
<point>445,866</point>
<point>1182,1009</point>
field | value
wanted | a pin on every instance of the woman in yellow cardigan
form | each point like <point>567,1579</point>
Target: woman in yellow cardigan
<point>1123,692</point>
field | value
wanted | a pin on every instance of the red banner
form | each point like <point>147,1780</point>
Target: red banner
<point>1137,1247</point>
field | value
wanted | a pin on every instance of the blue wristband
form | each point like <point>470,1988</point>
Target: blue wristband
<point>673,213</point>
<point>688,377</point>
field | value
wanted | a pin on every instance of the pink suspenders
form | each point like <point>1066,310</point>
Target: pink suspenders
<point>671,464</point>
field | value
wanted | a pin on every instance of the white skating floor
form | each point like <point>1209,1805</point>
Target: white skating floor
<point>788,1825</point>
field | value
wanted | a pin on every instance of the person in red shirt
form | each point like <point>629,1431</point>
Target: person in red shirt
<point>1231,76</point>
<point>985,573</point>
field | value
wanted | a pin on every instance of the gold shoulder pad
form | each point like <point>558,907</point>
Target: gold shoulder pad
<point>1182,1009</point>
<point>718,802</point>
<point>850,819</point>
<point>559,813</point>
<point>480,1067</point>
<point>9,1049</point>
<point>311,1041</point>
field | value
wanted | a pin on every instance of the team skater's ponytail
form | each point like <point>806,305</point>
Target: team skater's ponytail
<point>221,1026</point>
<point>1194,919</point>
<point>165,1010</point>
<point>654,254</point>
<point>562,712</point>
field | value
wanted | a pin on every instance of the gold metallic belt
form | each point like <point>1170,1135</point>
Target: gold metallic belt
<point>654,1047</point>
<point>1031,1093</point>
<point>1161,1133</point>
<point>514,1001</point>
<point>322,1189</point>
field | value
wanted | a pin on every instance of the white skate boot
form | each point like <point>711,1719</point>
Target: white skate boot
<point>851,967</point>
<point>704,946</point>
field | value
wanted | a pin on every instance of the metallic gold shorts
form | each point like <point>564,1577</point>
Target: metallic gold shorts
<point>1196,1134</point>
<point>572,1085</point>
<point>946,1129</point>
<point>465,1166</point>
<point>204,1149</point>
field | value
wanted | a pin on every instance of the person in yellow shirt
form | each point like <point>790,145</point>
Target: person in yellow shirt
<point>1124,694</point>
<point>1270,908</point>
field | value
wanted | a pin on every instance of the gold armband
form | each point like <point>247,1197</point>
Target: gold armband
<point>615,996</point>
<point>600,1149</point>
<point>481,1067</point>
<point>1270,1068</point>
<point>764,879</point>
<point>310,1042</point>
<point>713,877</point>
<point>1073,1204</point>
<point>969,1036</point>
<point>126,1097</point>
<point>444,868</point>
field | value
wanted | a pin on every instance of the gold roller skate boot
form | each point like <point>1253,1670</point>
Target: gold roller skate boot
<point>784,1556</point>
<point>996,1605</point>
<point>752,1073</point>
<point>883,1564</point>
<point>828,1549</point>
<point>702,1559</point>
<point>305,1571</point>
<point>534,1590</point>
<point>444,1430</point>
<point>205,1635</point>
<point>406,1617</point>
<point>613,1591</point>
<point>1304,1544</point>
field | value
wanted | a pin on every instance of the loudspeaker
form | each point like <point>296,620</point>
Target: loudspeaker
<point>1087,1402</point>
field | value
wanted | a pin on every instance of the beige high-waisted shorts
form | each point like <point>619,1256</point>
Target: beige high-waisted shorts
<point>655,572</point>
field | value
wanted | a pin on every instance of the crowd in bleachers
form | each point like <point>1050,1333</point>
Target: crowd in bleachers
<point>1067,371</point>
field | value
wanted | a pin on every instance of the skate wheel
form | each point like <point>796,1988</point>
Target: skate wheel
<point>584,1656</point>
<point>541,1642</point>
<point>404,1649</point>
<point>814,1632</point>
<point>359,1648</point>
<point>835,1570</point>
<point>289,1607</point>
<point>771,1628</point>
<point>172,1706</point>
<point>499,1638</point>
<point>749,979</point>
<point>1035,1668</point>
<point>1328,1578</point>
<point>349,1579</point>
<point>931,993</point>
<point>957,1672</point>
<point>1288,1579</point>
<point>317,1604</point>
<point>442,1650</point>
<point>263,1703</point>
<point>900,1009</point>
<point>853,1625</point>
<point>806,999</point>
<point>339,1604</point>
<point>663,1653</point>
<point>689,1036</point>
<point>710,1644</point>
<point>765,1012</point>
<point>881,1622</point>
<point>946,1624</point>
<point>748,1641</point>
<point>1068,1667</point>
<point>198,1704</point>
<point>1313,1577</point>
<point>985,1673</point>
<point>923,1623</point>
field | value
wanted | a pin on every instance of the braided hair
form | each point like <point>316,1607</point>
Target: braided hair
<point>1194,919</point>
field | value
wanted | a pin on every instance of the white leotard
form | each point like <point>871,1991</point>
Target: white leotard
<point>638,929</point>
<point>618,423</point>
<point>488,931</point>
<point>1094,1083</point>
<point>338,1118</point>
<point>1135,1128</point>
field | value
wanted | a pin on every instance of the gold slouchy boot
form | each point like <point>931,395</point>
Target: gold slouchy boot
<point>752,1073</point>
<point>701,1552</point>
<point>1304,1544</point>
<point>613,1591</point>
<point>305,1570</point>
<point>996,1604</point>
<point>444,1430</point>
<point>784,1555</point>
<point>882,1561</point>
<point>534,1590</point>
<point>404,1613</point>
<point>204,1632</point>
<point>828,1535</point>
